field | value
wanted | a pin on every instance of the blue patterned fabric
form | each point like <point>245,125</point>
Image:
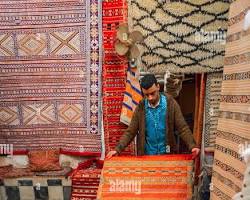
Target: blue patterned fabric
<point>156,127</point>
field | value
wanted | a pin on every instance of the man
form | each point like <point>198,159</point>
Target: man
<point>154,122</point>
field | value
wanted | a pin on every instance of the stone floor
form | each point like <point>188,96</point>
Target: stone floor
<point>35,188</point>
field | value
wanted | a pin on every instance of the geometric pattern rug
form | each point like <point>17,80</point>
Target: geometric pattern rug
<point>114,76</point>
<point>212,103</point>
<point>147,177</point>
<point>232,136</point>
<point>180,36</point>
<point>85,183</point>
<point>50,74</point>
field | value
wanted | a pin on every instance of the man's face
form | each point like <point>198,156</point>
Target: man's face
<point>152,94</point>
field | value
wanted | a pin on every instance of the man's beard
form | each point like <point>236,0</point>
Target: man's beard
<point>155,101</point>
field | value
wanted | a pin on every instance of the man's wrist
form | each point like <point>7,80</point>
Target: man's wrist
<point>118,148</point>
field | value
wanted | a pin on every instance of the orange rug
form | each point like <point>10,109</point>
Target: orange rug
<point>113,75</point>
<point>147,177</point>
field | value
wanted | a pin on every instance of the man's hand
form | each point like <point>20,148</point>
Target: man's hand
<point>111,154</point>
<point>195,152</point>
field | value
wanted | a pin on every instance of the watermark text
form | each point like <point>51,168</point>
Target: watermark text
<point>120,185</point>
<point>6,149</point>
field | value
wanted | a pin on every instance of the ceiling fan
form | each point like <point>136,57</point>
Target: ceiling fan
<point>125,44</point>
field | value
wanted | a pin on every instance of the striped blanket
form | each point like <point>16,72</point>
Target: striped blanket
<point>232,135</point>
<point>132,96</point>
<point>147,177</point>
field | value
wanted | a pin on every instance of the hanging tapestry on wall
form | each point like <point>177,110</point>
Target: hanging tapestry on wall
<point>49,74</point>
<point>147,177</point>
<point>114,75</point>
<point>212,102</point>
<point>180,36</point>
<point>232,136</point>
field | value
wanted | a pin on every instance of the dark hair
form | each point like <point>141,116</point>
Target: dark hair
<point>148,81</point>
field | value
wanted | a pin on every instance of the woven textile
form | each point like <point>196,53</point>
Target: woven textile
<point>85,184</point>
<point>232,134</point>
<point>173,84</point>
<point>200,86</point>
<point>147,177</point>
<point>49,74</point>
<point>212,102</point>
<point>180,36</point>
<point>114,75</point>
<point>132,96</point>
<point>40,161</point>
<point>85,181</point>
<point>65,171</point>
<point>5,169</point>
<point>18,172</point>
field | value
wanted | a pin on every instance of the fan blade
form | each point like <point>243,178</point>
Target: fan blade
<point>122,32</point>
<point>136,36</point>
<point>134,52</point>
<point>120,48</point>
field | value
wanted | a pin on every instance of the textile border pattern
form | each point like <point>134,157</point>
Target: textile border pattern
<point>212,103</point>
<point>50,75</point>
<point>114,76</point>
<point>147,177</point>
<point>232,135</point>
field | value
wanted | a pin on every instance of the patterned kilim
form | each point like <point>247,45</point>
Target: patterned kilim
<point>232,134</point>
<point>180,36</point>
<point>85,180</point>
<point>212,102</point>
<point>114,75</point>
<point>148,177</point>
<point>85,184</point>
<point>132,95</point>
<point>49,74</point>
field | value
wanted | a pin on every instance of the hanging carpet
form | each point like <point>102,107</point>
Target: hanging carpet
<point>232,136</point>
<point>212,102</point>
<point>114,76</point>
<point>49,74</point>
<point>180,36</point>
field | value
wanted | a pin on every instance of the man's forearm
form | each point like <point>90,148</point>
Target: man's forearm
<point>125,140</point>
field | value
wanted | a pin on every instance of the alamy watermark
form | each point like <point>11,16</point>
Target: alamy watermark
<point>6,149</point>
<point>210,36</point>
<point>129,186</point>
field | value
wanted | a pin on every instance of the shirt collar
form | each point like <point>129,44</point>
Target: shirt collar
<point>158,103</point>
